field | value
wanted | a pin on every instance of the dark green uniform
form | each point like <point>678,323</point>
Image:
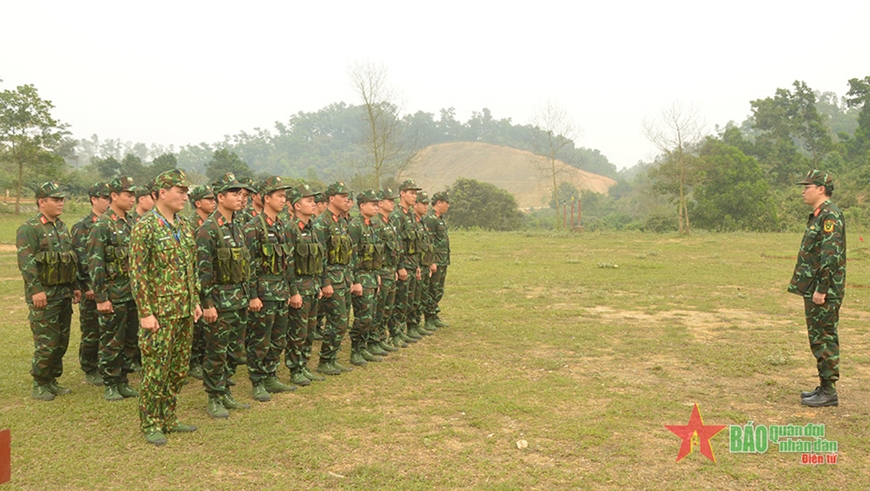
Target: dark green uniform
<point>305,277</point>
<point>197,345</point>
<point>387,293</point>
<point>331,231</point>
<point>368,253</point>
<point>89,347</point>
<point>410,235</point>
<point>437,228</point>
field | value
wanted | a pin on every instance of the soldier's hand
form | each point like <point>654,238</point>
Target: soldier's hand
<point>419,275</point>
<point>403,274</point>
<point>105,308</point>
<point>90,295</point>
<point>77,296</point>
<point>819,298</point>
<point>40,300</point>
<point>356,289</point>
<point>327,291</point>
<point>296,301</point>
<point>149,323</point>
<point>197,313</point>
<point>433,269</point>
<point>255,305</point>
<point>209,314</point>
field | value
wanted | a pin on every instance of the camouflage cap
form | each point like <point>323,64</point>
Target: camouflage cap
<point>302,191</point>
<point>271,184</point>
<point>99,189</point>
<point>229,181</point>
<point>388,193</point>
<point>142,191</point>
<point>336,188</point>
<point>409,185</point>
<point>49,190</point>
<point>200,192</point>
<point>817,178</point>
<point>367,196</point>
<point>319,197</point>
<point>250,185</point>
<point>122,183</point>
<point>440,196</point>
<point>152,186</point>
<point>167,179</point>
<point>422,197</point>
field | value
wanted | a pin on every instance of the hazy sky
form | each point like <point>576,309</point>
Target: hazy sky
<point>189,72</point>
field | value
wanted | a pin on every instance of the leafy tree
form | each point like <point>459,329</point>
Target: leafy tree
<point>29,135</point>
<point>107,168</point>
<point>480,204</point>
<point>225,161</point>
<point>858,97</point>
<point>163,163</point>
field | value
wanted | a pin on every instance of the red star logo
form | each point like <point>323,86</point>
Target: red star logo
<point>696,428</point>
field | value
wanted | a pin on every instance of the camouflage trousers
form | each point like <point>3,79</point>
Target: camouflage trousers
<point>266,337</point>
<point>197,344</point>
<point>822,323</point>
<point>221,356</point>
<point>336,310</point>
<point>50,327</point>
<point>89,348</point>
<point>434,293</point>
<point>300,333</point>
<point>385,304</point>
<point>117,332</point>
<point>363,316</point>
<point>420,294</point>
<point>405,291</point>
<point>165,358</point>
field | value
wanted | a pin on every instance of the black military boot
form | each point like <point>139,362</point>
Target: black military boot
<point>827,396</point>
<point>807,393</point>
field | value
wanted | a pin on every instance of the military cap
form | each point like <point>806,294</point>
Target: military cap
<point>817,178</point>
<point>409,185</point>
<point>99,189</point>
<point>271,184</point>
<point>200,192</point>
<point>367,196</point>
<point>152,185</point>
<point>319,197</point>
<point>142,191</point>
<point>303,191</point>
<point>441,196</point>
<point>250,185</point>
<point>169,178</point>
<point>229,181</point>
<point>122,183</point>
<point>388,193</point>
<point>336,188</point>
<point>422,197</point>
<point>49,190</point>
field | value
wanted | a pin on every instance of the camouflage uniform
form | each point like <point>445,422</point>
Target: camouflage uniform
<point>267,332</point>
<point>109,265</point>
<point>197,347</point>
<point>48,264</point>
<point>427,259</point>
<point>89,347</point>
<point>821,268</point>
<point>164,283</point>
<point>410,235</point>
<point>388,235</point>
<point>368,253</point>
<point>331,231</point>
<point>436,225</point>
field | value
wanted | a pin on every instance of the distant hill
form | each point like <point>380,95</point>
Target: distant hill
<point>516,171</point>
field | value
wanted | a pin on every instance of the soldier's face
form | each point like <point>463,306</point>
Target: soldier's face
<point>207,205</point>
<point>409,197</point>
<point>124,200</point>
<point>321,207</point>
<point>441,207</point>
<point>174,198</point>
<point>813,195</point>
<point>305,206</point>
<point>100,204</point>
<point>368,209</point>
<point>275,201</point>
<point>145,203</point>
<point>341,202</point>
<point>387,205</point>
<point>231,199</point>
<point>420,208</point>
<point>50,207</point>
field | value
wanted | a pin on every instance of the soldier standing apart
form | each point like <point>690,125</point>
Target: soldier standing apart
<point>820,277</point>
<point>89,348</point>
<point>305,272</point>
<point>338,282</point>
<point>48,265</point>
<point>427,265</point>
<point>389,340</point>
<point>204,204</point>
<point>267,328</point>
<point>165,285</point>
<point>437,228</point>
<point>109,265</point>
<point>409,272</point>
<point>368,253</point>
<point>223,262</point>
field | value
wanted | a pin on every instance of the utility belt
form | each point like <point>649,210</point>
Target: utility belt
<point>232,265</point>
<point>370,257</point>
<point>56,268</point>
<point>339,249</point>
<point>117,262</point>
<point>308,259</point>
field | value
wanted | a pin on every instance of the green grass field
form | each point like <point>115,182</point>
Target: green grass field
<point>583,346</point>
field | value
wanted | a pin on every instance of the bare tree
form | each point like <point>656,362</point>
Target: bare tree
<point>383,139</point>
<point>558,136</point>
<point>675,134</point>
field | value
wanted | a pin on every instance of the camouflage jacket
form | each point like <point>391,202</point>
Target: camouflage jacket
<point>331,232</point>
<point>196,221</point>
<point>368,251</point>
<point>163,267</point>
<point>411,236</point>
<point>389,236</point>
<point>270,252</point>
<point>427,249</point>
<point>109,257</point>
<point>228,235</point>
<point>249,213</point>
<point>35,237</point>
<point>821,262</point>
<point>303,242</point>
<point>80,233</point>
<point>437,228</point>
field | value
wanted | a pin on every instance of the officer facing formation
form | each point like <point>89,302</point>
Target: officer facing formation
<point>820,278</point>
<point>89,347</point>
<point>48,266</point>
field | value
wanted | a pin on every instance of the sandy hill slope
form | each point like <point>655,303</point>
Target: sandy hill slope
<point>516,171</point>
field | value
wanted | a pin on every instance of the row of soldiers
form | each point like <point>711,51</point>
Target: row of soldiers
<point>265,275</point>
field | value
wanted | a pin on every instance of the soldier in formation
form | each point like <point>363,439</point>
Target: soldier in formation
<point>204,204</point>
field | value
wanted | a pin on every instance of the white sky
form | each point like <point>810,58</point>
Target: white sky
<point>179,72</point>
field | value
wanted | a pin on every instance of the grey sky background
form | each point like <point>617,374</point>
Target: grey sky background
<point>189,72</point>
